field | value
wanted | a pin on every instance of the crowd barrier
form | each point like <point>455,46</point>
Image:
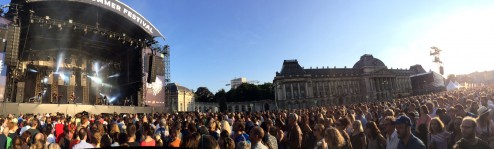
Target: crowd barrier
<point>71,109</point>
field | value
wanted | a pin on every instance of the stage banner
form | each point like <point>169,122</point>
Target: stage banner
<point>3,76</point>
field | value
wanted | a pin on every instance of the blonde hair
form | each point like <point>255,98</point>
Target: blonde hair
<point>226,126</point>
<point>439,123</point>
<point>334,138</point>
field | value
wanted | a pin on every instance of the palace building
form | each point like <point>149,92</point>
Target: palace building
<point>369,80</point>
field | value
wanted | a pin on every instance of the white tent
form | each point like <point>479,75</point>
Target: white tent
<point>452,86</point>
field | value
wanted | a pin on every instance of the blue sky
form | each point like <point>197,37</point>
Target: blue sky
<point>214,41</point>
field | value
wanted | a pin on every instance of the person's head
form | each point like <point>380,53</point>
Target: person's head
<point>256,134</point>
<point>457,123</point>
<point>53,146</point>
<point>227,143</point>
<point>122,138</point>
<point>17,142</point>
<point>371,129</point>
<point>484,114</point>
<point>318,131</point>
<point>208,142</point>
<point>483,101</point>
<point>388,124</point>
<point>191,140</point>
<point>429,105</point>
<point>34,123</point>
<point>238,126</point>
<point>468,126</point>
<point>424,110</point>
<point>436,125</point>
<point>82,134</point>
<point>131,130</point>
<point>114,128</point>
<point>333,137</point>
<point>357,126</point>
<point>403,127</point>
<point>474,105</point>
<point>342,123</point>
<point>243,145</point>
<point>293,118</point>
<point>459,110</point>
<point>105,141</point>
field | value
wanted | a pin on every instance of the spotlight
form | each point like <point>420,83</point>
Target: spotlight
<point>85,30</point>
<point>71,21</point>
<point>59,26</point>
<point>47,17</point>
<point>124,34</point>
<point>32,21</point>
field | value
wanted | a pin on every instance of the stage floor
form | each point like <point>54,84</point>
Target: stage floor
<point>17,108</point>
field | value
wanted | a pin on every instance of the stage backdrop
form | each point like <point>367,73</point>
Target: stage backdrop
<point>155,92</point>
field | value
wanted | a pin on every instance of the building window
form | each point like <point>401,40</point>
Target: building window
<point>236,108</point>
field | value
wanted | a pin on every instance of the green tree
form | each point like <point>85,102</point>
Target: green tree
<point>204,95</point>
<point>267,91</point>
<point>220,97</point>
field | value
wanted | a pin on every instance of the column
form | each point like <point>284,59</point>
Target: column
<point>317,90</point>
<point>283,92</point>
<point>298,91</point>
<point>323,88</point>
<point>330,88</point>
<point>307,89</point>
<point>291,90</point>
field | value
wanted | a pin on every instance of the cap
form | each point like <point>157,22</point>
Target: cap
<point>403,120</point>
<point>483,110</point>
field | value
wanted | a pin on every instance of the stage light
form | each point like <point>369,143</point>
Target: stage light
<point>45,80</point>
<point>112,99</point>
<point>32,20</point>
<point>114,75</point>
<point>47,17</point>
<point>32,70</point>
<point>60,26</point>
<point>62,76</point>
<point>59,62</point>
<point>71,21</point>
<point>85,30</point>
<point>124,34</point>
<point>95,79</point>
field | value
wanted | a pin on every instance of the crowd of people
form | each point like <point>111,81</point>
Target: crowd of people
<point>457,119</point>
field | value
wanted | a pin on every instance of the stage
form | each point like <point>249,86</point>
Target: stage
<point>71,109</point>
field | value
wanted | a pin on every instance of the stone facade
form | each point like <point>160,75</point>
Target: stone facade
<point>262,105</point>
<point>206,106</point>
<point>368,80</point>
<point>179,98</point>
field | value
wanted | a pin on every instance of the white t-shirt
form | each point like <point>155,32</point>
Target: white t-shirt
<point>392,141</point>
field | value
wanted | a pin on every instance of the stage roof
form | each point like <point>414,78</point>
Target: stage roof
<point>118,8</point>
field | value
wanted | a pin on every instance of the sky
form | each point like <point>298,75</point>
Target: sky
<point>215,41</point>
